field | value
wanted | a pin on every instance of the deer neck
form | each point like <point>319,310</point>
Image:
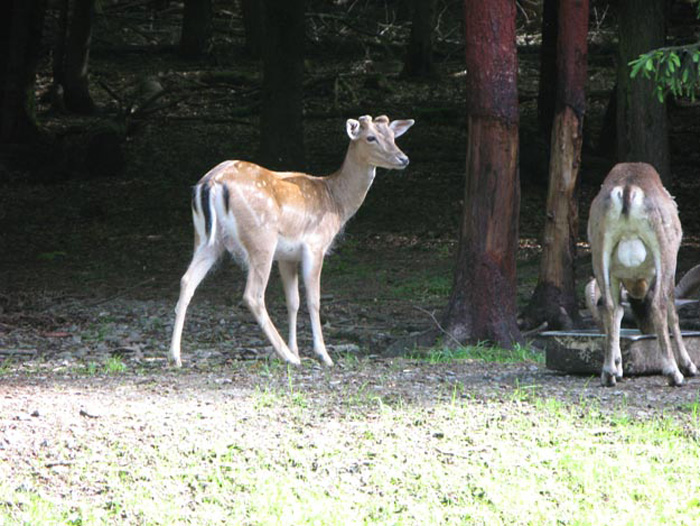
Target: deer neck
<point>350,184</point>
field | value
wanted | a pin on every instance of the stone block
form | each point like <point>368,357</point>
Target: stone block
<point>581,352</point>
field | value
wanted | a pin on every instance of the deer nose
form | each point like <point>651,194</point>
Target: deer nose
<point>403,160</point>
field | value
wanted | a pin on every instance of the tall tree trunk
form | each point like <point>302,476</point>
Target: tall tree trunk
<point>253,25</point>
<point>59,48</point>
<point>642,129</point>
<point>547,93</point>
<point>196,28</point>
<point>482,306</point>
<point>607,139</point>
<point>419,61</point>
<point>282,133</point>
<point>21,24</point>
<point>554,299</point>
<point>75,67</point>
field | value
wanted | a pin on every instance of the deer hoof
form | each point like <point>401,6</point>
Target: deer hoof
<point>608,379</point>
<point>690,369</point>
<point>675,379</point>
<point>174,361</point>
<point>323,357</point>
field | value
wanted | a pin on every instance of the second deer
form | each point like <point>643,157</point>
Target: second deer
<point>261,216</point>
<point>635,234</point>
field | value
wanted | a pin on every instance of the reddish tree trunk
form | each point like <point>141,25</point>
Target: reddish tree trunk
<point>554,299</point>
<point>482,305</point>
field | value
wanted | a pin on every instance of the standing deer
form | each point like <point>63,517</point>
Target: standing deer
<point>261,216</point>
<point>635,234</point>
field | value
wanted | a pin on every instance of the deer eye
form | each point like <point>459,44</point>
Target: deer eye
<point>371,138</point>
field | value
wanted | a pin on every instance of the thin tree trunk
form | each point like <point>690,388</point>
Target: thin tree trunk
<point>642,128</point>
<point>482,306</point>
<point>419,61</point>
<point>282,137</point>
<point>554,299</point>
<point>607,140</point>
<point>253,25</point>
<point>21,27</point>
<point>196,28</point>
<point>75,68</point>
<point>59,49</point>
<point>547,93</point>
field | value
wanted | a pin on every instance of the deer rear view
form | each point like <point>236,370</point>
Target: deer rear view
<point>261,216</point>
<point>635,234</point>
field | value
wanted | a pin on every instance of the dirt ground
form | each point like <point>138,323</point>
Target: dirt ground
<point>89,267</point>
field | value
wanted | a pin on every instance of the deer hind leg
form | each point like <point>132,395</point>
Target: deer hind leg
<point>204,258</point>
<point>290,280</point>
<point>311,267</point>
<point>660,318</point>
<point>612,318</point>
<point>254,297</point>
<point>683,360</point>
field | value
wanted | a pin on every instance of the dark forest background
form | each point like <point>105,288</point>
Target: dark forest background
<point>112,109</point>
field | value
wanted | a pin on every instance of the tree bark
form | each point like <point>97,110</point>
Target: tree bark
<point>59,48</point>
<point>554,300</point>
<point>196,28</point>
<point>642,128</point>
<point>419,61</point>
<point>253,25</point>
<point>482,306</point>
<point>282,137</point>
<point>547,93</point>
<point>75,84</point>
<point>21,27</point>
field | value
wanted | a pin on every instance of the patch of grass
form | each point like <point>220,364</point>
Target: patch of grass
<point>115,365</point>
<point>91,368</point>
<point>6,366</point>
<point>481,352</point>
<point>525,461</point>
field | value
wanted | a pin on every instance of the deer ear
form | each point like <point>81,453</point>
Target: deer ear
<point>353,128</point>
<point>401,127</point>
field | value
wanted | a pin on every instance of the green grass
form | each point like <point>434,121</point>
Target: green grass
<point>114,365</point>
<point>516,462</point>
<point>481,352</point>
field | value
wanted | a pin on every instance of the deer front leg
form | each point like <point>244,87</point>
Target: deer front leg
<point>254,297</point>
<point>290,281</point>
<point>311,266</point>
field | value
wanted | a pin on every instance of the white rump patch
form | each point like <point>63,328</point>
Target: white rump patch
<point>631,252</point>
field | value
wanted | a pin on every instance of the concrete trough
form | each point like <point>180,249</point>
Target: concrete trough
<point>581,351</point>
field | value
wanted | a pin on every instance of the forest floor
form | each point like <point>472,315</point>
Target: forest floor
<point>89,274</point>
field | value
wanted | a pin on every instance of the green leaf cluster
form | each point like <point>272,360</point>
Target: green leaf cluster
<point>674,69</point>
